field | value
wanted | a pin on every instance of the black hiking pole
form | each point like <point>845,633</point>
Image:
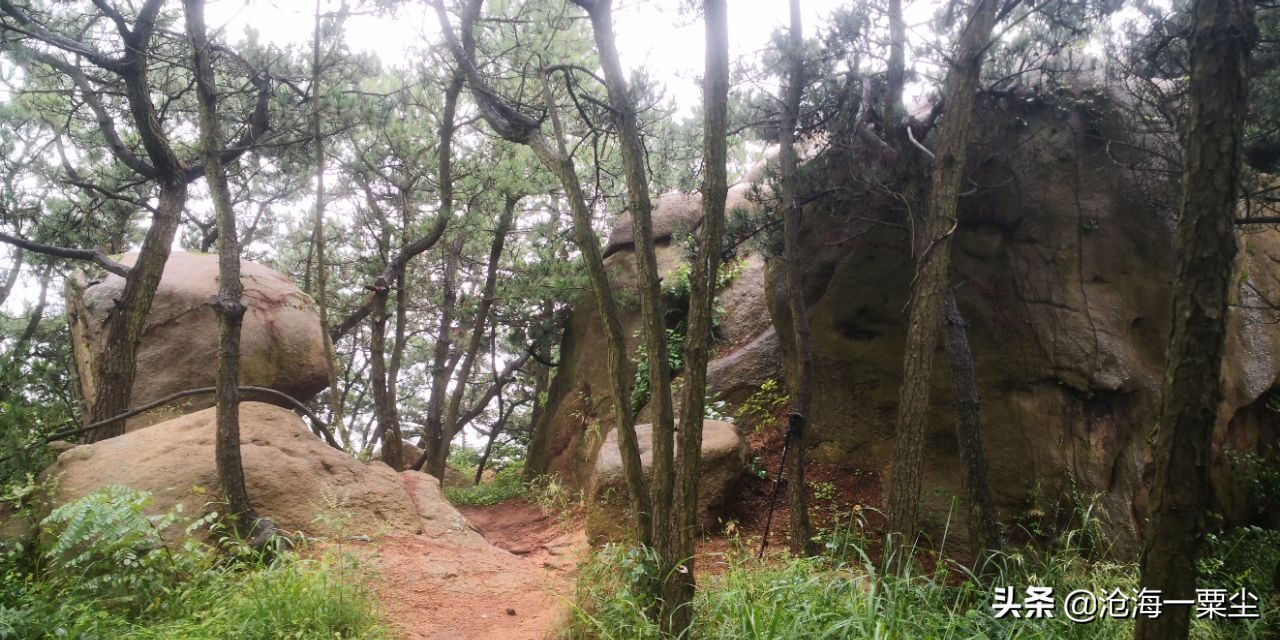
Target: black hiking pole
<point>793,422</point>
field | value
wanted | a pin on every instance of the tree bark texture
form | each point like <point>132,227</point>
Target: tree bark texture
<point>652,317</point>
<point>1222,35</point>
<point>984,530</point>
<point>678,591</point>
<point>228,304</point>
<point>933,261</point>
<point>801,542</point>
<point>117,364</point>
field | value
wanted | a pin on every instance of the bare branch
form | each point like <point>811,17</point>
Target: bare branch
<point>92,255</point>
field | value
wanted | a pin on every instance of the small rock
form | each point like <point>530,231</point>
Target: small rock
<point>511,612</point>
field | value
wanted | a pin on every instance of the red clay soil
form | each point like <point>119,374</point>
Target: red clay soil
<point>439,590</point>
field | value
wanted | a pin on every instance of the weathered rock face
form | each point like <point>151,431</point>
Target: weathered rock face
<point>281,344</point>
<point>580,405</point>
<point>1064,269</point>
<point>724,455</point>
<point>291,476</point>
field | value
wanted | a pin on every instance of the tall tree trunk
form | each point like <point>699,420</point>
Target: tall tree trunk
<point>652,318</point>
<point>802,381</point>
<point>117,365</point>
<point>318,240</point>
<point>452,412</point>
<point>392,441</point>
<point>896,73</point>
<point>434,442</point>
<point>678,592</point>
<point>535,459</point>
<point>1222,36</point>
<point>513,126</point>
<point>984,532</point>
<point>228,305</point>
<point>933,261</point>
<point>384,399</point>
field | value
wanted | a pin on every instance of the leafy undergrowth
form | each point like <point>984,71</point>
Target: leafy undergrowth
<point>506,484</point>
<point>98,569</point>
<point>548,492</point>
<point>845,595</point>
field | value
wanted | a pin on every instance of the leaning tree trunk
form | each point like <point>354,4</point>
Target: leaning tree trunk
<point>1222,35</point>
<point>932,263</point>
<point>117,365</point>
<point>802,380</point>
<point>553,154</point>
<point>652,317</point>
<point>984,532</point>
<point>227,303</point>
<point>453,411</point>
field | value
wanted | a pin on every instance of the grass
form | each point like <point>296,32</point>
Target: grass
<point>506,484</point>
<point>845,595</point>
<point>548,492</point>
<point>98,569</point>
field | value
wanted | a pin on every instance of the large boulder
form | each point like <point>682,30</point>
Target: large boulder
<point>281,343</point>
<point>724,456</point>
<point>1063,259</point>
<point>1063,264</point>
<point>672,213</point>
<point>292,477</point>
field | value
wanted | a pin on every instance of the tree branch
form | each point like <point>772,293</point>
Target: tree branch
<point>92,255</point>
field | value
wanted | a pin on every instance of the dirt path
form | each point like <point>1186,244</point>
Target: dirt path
<point>515,587</point>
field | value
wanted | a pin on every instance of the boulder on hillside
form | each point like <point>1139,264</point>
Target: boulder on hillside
<point>724,456</point>
<point>281,343</point>
<point>292,477</point>
<point>1061,260</point>
<point>672,212</point>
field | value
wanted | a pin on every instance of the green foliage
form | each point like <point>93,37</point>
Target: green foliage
<point>845,596</point>
<point>612,600</point>
<point>548,492</point>
<point>713,409</point>
<point>763,405</point>
<point>101,570</point>
<point>1244,557</point>
<point>506,484</point>
<point>640,389</point>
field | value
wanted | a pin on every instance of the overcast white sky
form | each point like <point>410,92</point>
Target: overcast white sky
<point>652,34</point>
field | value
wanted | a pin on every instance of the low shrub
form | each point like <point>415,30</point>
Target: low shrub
<point>849,597</point>
<point>97,568</point>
